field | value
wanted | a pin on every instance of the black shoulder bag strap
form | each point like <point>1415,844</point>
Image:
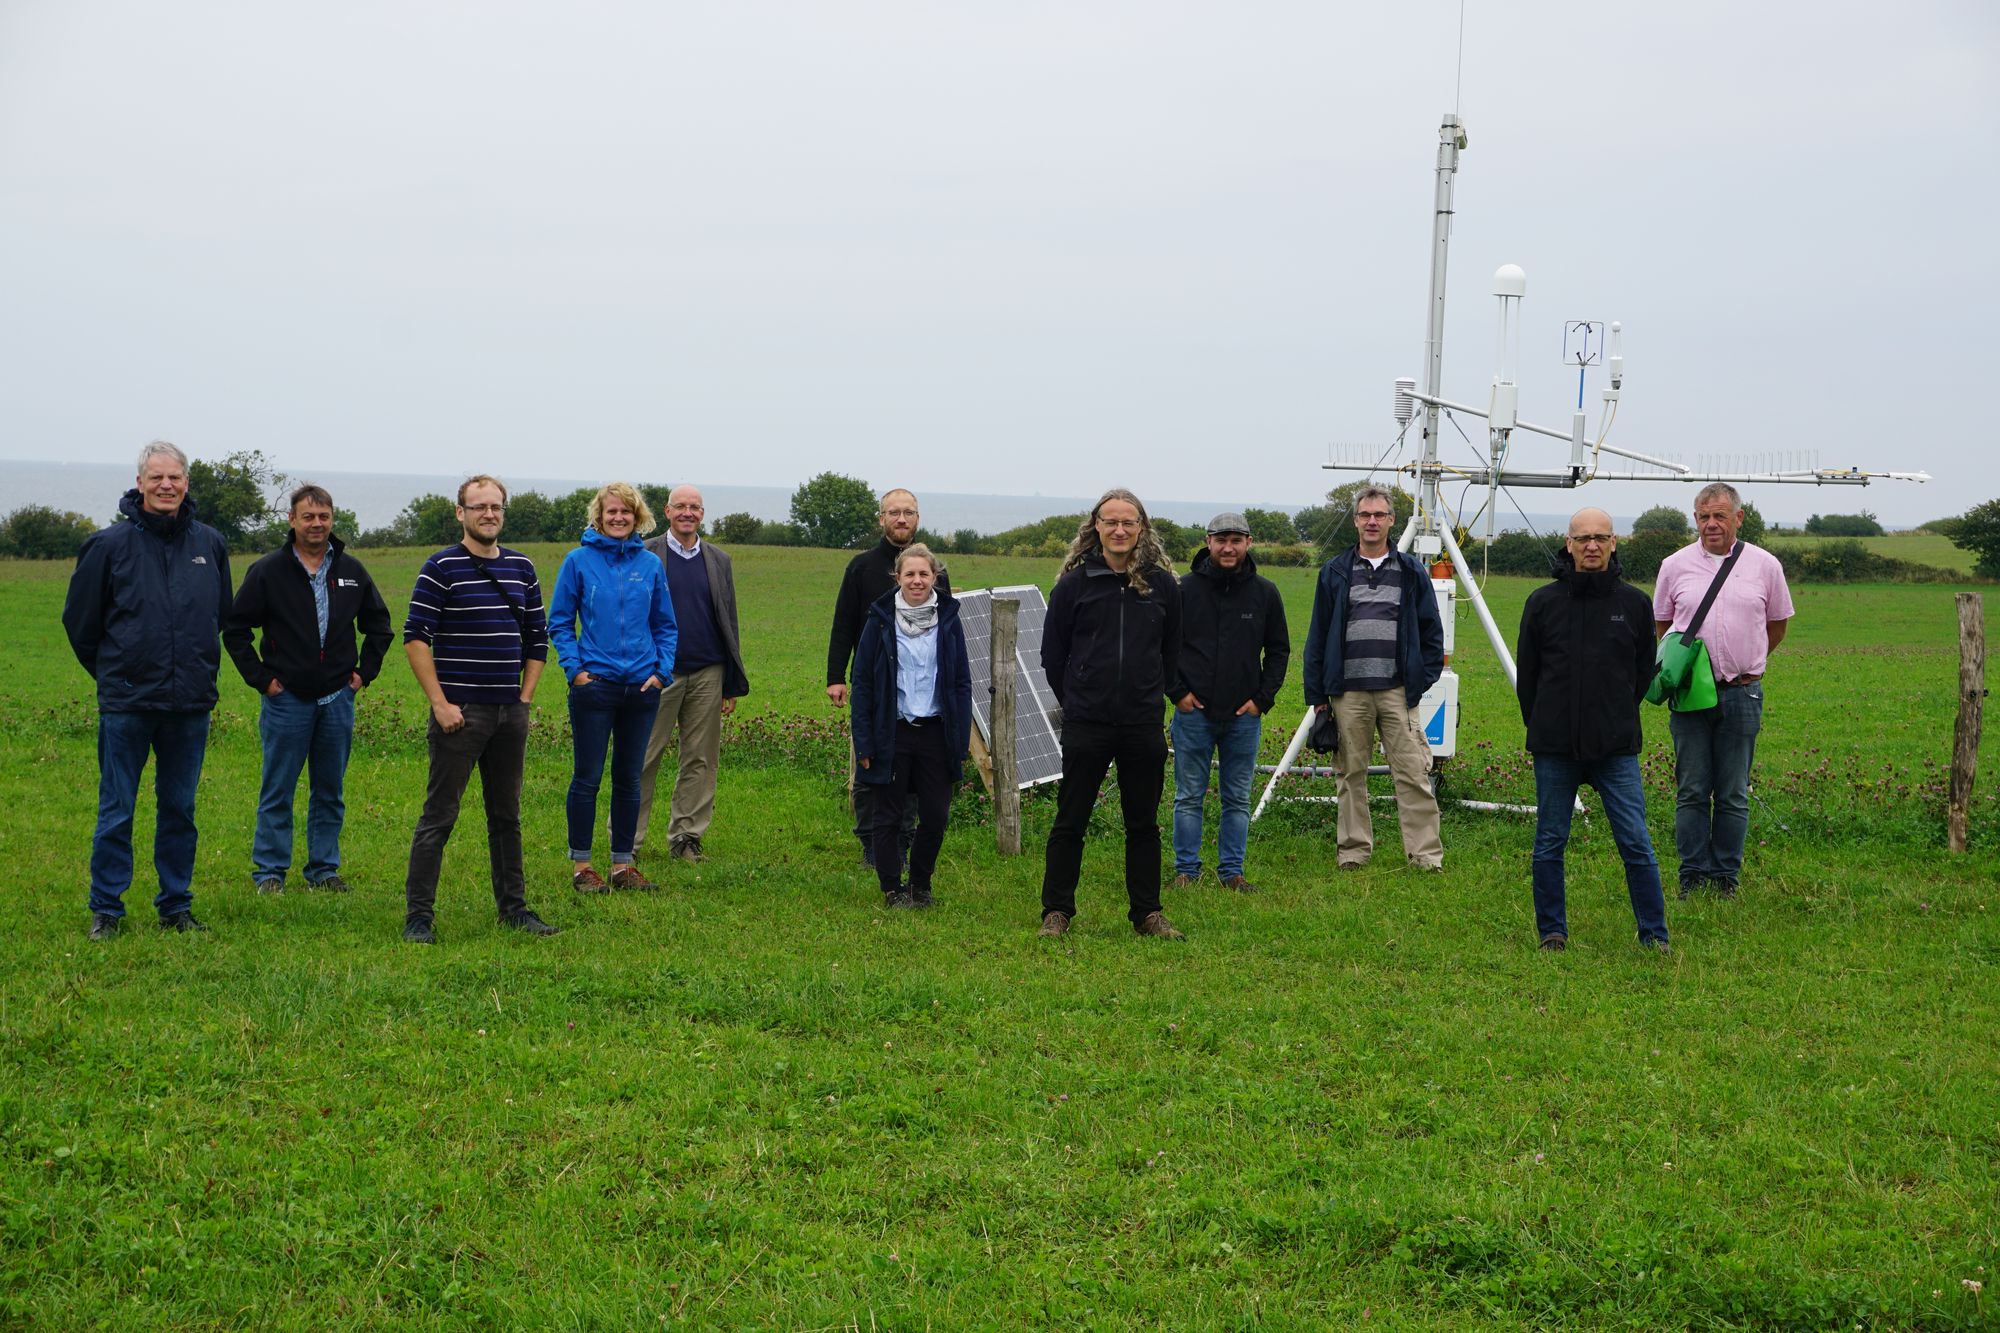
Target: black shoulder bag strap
<point>1693,631</point>
<point>520,613</point>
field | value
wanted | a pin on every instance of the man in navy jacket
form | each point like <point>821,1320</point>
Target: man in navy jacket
<point>1375,646</point>
<point>308,597</point>
<point>144,606</point>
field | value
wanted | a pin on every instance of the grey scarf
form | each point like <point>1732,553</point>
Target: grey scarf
<point>915,620</point>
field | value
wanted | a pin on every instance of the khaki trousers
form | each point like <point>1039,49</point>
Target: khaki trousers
<point>1361,716</point>
<point>693,703</point>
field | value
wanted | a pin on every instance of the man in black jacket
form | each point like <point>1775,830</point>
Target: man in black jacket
<point>308,597</point>
<point>1234,650</point>
<point>144,604</point>
<point>1584,660</point>
<point>870,574</point>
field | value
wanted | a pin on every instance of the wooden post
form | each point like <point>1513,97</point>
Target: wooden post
<point>1006,785</point>
<point>1971,703</point>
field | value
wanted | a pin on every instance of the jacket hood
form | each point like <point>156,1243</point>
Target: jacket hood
<point>1586,583</point>
<point>1205,565</point>
<point>169,526</point>
<point>611,545</point>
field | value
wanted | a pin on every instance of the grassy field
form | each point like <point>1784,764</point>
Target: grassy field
<point>1922,548</point>
<point>757,1100</point>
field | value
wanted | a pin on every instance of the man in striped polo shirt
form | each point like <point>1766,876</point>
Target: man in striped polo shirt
<point>1375,646</point>
<point>477,640</point>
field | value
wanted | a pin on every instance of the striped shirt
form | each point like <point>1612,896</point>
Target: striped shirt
<point>482,620</point>
<point>1374,612</point>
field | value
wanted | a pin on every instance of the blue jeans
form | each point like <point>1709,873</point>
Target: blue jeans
<point>1622,793</point>
<point>1713,750</point>
<point>1235,745</point>
<point>299,732</point>
<point>177,741</point>
<point>605,713</point>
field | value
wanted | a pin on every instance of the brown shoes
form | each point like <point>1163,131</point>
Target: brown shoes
<point>1055,923</point>
<point>1238,884</point>
<point>588,881</point>
<point>628,877</point>
<point>1155,924</point>
<point>1184,881</point>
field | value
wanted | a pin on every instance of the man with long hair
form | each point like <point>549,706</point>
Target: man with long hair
<point>1110,650</point>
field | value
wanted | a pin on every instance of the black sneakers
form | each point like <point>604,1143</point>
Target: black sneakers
<point>331,884</point>
<point>104,926</point>
<point>417,930</point>
<point>529,924</point>
<point>181,922</point>
<point>270,884</point>
<point>686,849</point>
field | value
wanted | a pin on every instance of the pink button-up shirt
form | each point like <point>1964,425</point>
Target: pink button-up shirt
<point>1735,631</point>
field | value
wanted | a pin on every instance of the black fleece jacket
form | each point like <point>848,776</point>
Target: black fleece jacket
<point>868,576</point>
<point>1109,653</point>
<point>1234,643</point>
<point>277,595</point>
<point>1583,662</point>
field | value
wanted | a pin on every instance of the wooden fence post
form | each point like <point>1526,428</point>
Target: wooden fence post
<point>1971,702</point>
<point>1006,784</point>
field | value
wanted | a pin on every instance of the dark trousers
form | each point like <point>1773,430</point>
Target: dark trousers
<point>866,797</point>
<point>605,714</point>
<point>1088,751</point>
<point>494,740</point>
<point>920,775</point>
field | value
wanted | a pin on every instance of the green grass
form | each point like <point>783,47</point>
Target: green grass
<point>1921,548</point>
<point>755,1100</point>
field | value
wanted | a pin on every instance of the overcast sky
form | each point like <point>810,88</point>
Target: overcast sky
<point>1031,247</point>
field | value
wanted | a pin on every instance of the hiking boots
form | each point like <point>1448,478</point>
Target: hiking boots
<point>628,877</point>
<point>1554,943</point>
<point>1156,925</point>
<point>1185,881</point>
<point>103,925</point>
<point>1055,923</point>
<point>1238,884</point>
<point>270,884</point>
<point>686,849</point>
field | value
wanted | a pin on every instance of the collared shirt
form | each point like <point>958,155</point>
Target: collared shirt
<point>673,544</point>
<point>916,673</point>
<point>1737,630</point>
<point>316,578</point>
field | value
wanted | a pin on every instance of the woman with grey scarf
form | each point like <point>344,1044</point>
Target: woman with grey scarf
<point>912,709</point>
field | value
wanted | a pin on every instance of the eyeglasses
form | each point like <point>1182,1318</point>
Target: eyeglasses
<point>685,508</point>
<point>484,509</point>
<point>899,513</point>
<point>1120,524</point>
<point>1374,517</point>
<point>1591,538</point>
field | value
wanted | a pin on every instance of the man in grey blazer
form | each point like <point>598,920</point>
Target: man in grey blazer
<point>708,675</point>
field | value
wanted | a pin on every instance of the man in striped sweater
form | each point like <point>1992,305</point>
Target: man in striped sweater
<point>477,640</point>
<point>1375,646</point>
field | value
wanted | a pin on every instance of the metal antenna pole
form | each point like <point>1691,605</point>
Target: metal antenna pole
<point>1451,138</point>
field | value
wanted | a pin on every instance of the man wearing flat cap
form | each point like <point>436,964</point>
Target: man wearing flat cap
<point>1234,651</point>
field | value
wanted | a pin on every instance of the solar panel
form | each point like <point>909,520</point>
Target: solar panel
<point>1037,751</point>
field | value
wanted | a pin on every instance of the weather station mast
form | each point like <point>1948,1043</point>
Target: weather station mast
<point>1429,534</point>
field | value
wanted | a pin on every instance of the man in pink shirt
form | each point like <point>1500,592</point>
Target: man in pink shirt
<point>1713,748</point>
